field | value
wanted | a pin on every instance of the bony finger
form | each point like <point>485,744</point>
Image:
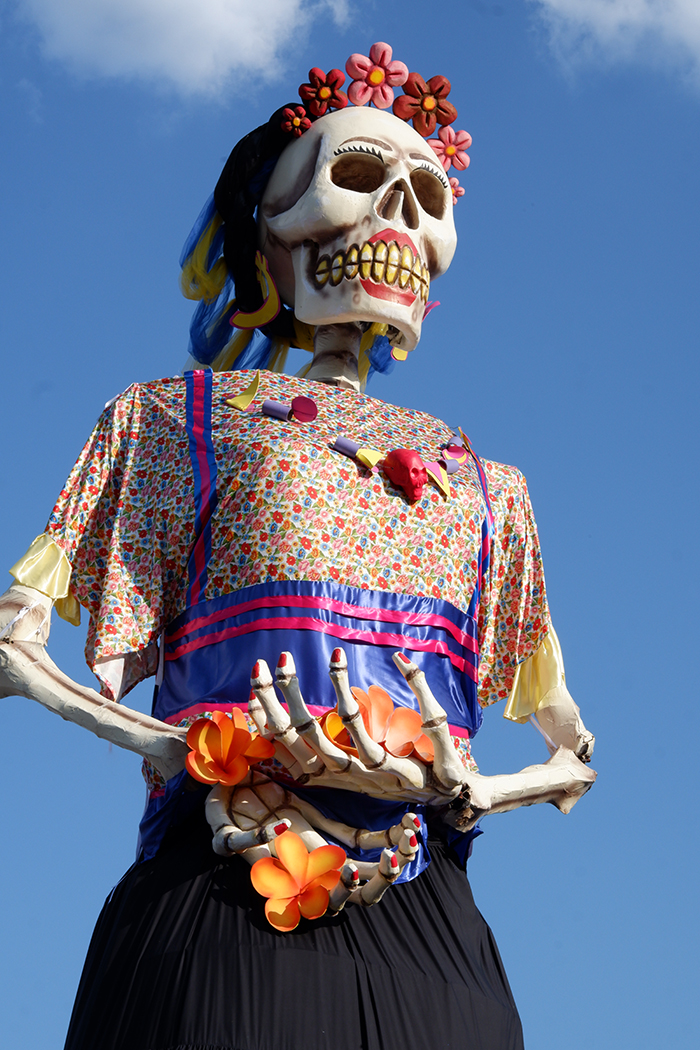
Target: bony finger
<point>277,719</point>
<point>288,684</point>
<point>406,848</point>
<point>371,754</point>
<point>335,760</point>
<point>230,839</point>
<point>348,882</point>
<point>409,822</point>
<point>338,670</point>
<point>237,841</point>
<point>447,767</point>
<point>285,757</point>
<point>257,713</point>
<point>387,873</point>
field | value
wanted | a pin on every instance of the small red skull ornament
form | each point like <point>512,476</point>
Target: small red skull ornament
<point>406,469</point>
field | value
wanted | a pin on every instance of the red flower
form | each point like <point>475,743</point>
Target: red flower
<point>296,120</point>
<point>323,91</point>
<point>425,104</point>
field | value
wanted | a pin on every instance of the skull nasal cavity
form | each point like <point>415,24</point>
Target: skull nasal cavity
<point>398,203</point>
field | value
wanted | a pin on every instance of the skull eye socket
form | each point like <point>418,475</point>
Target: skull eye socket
<point>429,191</point>
<point>360,172</point>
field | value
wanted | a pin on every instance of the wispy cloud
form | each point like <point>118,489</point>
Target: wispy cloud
<point>659,32</point>
<point>193,46</point>
<point>32,98</point>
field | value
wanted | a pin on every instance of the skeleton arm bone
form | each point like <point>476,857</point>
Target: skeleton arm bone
<point>26,669</point>
<point>539,692</point>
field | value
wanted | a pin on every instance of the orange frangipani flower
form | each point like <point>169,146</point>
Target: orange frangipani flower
<point>398,729</point>
<point>223,749</point>
<point>296,882</point>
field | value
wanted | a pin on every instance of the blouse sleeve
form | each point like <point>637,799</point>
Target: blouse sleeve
<point>513,612</point>
<point>112,522</point>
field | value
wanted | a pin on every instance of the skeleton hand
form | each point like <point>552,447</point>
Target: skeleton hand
<point>247,819</point>
<point>310,757</point>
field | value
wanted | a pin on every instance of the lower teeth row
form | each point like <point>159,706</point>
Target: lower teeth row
<point>379,262</point>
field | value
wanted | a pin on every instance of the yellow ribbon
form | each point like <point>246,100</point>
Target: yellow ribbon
<point>271,299</point>
<point>46,568</point>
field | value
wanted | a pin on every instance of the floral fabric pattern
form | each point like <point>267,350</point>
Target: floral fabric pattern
<point>289,509</point>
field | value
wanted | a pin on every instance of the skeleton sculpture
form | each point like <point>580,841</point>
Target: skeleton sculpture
<point>355,222</point>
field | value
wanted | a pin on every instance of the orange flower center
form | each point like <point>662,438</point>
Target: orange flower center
<point>324,93</point>
<point>376,76</point>
<point>296,122</point>
<point>429,103</point>
<point>451,150</point>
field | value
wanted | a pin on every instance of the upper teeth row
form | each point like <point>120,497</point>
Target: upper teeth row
<point>377,262</point>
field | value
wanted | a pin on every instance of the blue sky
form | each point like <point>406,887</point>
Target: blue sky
<point>566,343</point>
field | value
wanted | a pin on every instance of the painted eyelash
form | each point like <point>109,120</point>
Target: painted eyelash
<point>433,171</point>
<point>359,149</point>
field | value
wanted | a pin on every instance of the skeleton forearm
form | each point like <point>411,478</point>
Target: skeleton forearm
<point>26,669</point>
<point>559,717</point>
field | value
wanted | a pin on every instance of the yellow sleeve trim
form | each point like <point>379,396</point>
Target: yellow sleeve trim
<point>535,679</point>
<point>46,568</point>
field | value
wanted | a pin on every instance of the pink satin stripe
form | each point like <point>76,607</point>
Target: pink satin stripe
<point>314,709</point>
<point>298,623</point>
<point>356,612</point>
<point>205,481</point>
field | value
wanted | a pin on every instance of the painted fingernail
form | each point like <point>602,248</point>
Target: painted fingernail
<point>394,861</point>
<point>413,841</point>
<point>335,656</point>
<point>282,662</point>
<point>280,829</point>
<point>404,659</point>
<point>416,822</point>
<point>256,670</point>
<point>252,696</point>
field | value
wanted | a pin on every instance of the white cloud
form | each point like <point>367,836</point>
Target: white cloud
<point>656,31</point>
<point>194,46</point>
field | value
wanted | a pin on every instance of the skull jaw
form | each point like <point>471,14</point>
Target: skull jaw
<point>355,300</point>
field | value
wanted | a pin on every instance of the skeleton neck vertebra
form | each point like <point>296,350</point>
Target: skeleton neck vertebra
<point>336,351</point>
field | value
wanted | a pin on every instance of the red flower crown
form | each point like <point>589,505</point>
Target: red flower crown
<point>374,77</point>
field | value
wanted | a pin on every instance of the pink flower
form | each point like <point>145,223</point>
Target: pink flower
<point>450,146</point>
<point>457,190</point>
<point>375,77</point>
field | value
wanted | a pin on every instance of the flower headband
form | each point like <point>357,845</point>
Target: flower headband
<point>374,77</point>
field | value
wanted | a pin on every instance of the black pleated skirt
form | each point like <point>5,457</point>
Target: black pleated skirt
<point>182,958</point>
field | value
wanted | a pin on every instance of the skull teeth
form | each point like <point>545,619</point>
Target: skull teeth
<point>379,262</point>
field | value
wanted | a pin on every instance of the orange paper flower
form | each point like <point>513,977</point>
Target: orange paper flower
<point>398,729</point>
<point>295,881</point>
<point>223,749</point>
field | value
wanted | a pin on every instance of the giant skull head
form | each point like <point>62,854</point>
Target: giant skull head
<point>356,220</point>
